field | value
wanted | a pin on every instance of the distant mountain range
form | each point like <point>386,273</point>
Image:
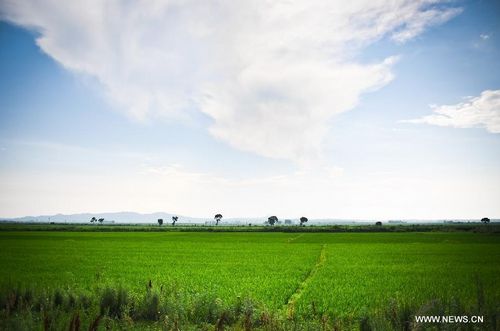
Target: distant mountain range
<point>125,217</point>
<point>119,217</point>
<point>134,218</point>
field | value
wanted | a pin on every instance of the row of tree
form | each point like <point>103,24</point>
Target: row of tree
<point>95,220</point>
<point>272,220</point>
<point>174,220</point>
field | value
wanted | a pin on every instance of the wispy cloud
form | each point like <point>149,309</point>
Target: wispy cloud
<point>177,173</point>
<point>484,36</point>
<point>476,112</point>
<point>174,188</point>
<point>271,74</point>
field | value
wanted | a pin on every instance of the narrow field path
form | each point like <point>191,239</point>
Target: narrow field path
<point>294,238</point>
<point>290,305</point>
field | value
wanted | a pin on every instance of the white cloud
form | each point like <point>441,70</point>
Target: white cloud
<point>416,25</point>
<point>476,112</point>
<point>270,74</point>
<point>484,36</point>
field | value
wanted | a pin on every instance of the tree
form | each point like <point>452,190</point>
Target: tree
<point>303,220</point>
<point>217,218</point>
<point>174,219</point>
<point>100,220</point>
<point>93,220</point>
<point>378,223</point>
<point>485,220</point>
<point>272,220</point>
<point>160,221</point>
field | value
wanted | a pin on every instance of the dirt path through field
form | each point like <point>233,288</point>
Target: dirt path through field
<point>295,238</point>
<point>290,305</point>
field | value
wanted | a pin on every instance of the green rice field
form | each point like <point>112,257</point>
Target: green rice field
<point>287,280</point>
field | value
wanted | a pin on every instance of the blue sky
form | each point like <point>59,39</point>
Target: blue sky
<point>287,112</point>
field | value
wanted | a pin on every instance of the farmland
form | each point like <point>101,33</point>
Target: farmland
<point>348,280</point>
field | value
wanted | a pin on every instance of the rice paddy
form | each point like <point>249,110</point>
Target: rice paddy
<point>341,278</point>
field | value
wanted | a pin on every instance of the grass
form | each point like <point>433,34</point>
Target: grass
<point>247,280</point>
<point>227,265</point>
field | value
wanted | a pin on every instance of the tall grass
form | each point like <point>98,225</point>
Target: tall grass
<point>160,309</point>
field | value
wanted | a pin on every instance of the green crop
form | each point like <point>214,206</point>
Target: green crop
<point>299,276</point>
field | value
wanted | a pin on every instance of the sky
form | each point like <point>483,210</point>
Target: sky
<point>366,109</point>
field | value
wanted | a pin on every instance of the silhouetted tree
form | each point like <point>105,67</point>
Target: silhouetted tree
<point>217,218</point>
<point>93,220</point>
<point>378,223</point>
<point>174,219</point>
<point>303,220</point>
<point>272,220</point>
<point>101,220</point>
<point>160,221</point>
<point>485,220</point>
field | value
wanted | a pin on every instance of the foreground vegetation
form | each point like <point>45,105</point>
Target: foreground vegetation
<point>244,281</point>
<point>168,309</point>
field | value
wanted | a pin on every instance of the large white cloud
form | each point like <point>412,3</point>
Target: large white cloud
<point>269,73</point>
<point>476,112</point>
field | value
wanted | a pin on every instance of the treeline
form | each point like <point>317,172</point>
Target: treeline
<point>459,227</point>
